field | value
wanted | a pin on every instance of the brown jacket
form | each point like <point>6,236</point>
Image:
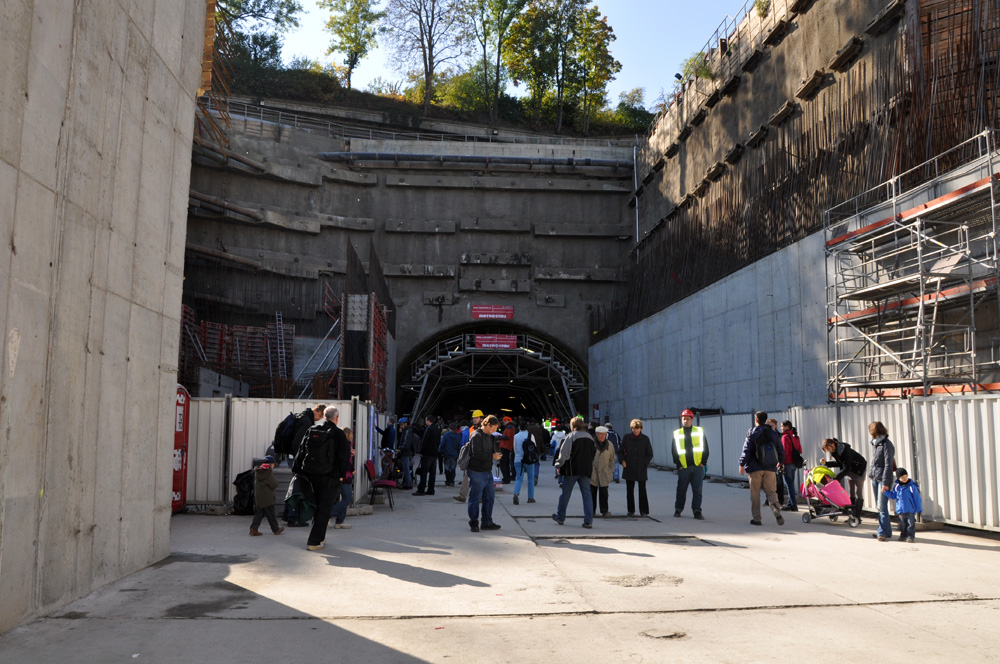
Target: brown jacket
<point>604,465</point>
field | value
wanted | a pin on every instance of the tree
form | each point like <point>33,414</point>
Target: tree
<point>530,54</point>
<point>631,111</point>
<point>426,30</point>
<point>354,25</point>
<point>594,65</point>
<point>256,59</point>
<point>564,16</point>
<point>259,15</point>
<point>489,21</point>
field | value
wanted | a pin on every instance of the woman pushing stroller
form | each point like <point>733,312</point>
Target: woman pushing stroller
<point>852,465</point>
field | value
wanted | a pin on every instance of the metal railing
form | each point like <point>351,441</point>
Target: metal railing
<point>727,49</point>
<point>241,114</point>
<point>527,345</point>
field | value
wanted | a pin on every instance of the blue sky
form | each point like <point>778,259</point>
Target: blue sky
<point>653,38</point>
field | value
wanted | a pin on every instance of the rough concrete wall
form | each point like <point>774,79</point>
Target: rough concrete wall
<point>96,116</point>
<point>426,216</point>
<point>813,38</point>
<point>756,339</point>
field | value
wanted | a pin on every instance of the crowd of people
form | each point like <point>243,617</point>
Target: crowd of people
<point>590,457</point>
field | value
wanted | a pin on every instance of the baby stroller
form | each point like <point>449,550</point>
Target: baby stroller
<point>391,467</point>
<point>826,497</point>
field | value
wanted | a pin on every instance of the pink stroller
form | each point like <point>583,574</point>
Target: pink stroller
<point>826,497</point>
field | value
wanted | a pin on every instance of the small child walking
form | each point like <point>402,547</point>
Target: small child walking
<point>264,485</point>
<point>906,492</point>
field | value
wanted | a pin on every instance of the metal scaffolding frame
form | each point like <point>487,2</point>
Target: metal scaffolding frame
<point>903,290</point>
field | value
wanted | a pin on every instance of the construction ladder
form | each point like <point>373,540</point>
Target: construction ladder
<point>282,371</point>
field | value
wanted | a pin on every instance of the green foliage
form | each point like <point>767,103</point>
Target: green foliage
<point>696,66</point>
<point>257,71</point>
<point>489,21</point>
<point>260,15</point>
<point>530,54</point>
<point>385,88</point>
<point>631,111</point>
<point>595,66</point>
<point>354,25</point>
<point>762,7</point>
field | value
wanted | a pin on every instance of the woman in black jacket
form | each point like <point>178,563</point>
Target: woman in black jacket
<point>852,465</point>
<point>636,453</point>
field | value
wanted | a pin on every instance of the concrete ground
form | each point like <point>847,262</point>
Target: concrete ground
<point>414,585</point>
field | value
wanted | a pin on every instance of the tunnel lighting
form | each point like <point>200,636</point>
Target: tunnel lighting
<point>506,410</point>
<point>522,405</point>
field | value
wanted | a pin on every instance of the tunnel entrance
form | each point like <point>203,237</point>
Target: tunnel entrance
<point>501,369</point>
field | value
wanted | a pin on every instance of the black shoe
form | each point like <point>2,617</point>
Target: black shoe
<point>630,514</point>
<point>531,500</point>
<point>588,525</point>
<point>698,516</point>
<point>474,527</point>
<point>677,513</point>
<point>419,493</point>
<point>555,517</point>
<point>755,522</point>
<point>516,501</point>
<point>429,493</point>
<point>491,526</point>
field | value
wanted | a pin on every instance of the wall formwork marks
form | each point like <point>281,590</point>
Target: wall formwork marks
<point>96,116</point>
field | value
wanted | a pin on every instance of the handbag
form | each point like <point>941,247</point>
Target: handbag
<point>797,458</point>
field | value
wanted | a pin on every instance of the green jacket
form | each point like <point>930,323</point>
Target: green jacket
<point>263,488</point>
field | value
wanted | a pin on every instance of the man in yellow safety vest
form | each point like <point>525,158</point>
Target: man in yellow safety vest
<point>690,451</point>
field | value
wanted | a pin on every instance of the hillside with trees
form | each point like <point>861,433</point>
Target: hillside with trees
<point>456,59</point>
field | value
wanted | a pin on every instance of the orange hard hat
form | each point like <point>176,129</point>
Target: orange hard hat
<point>687,413</point>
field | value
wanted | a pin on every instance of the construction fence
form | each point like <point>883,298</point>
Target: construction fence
<point>950,445</point>
<point>226,435</point>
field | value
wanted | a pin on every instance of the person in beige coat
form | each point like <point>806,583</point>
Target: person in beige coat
<point>604,470</point>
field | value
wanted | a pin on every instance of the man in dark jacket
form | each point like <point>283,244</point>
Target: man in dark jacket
<point>388,435</point>
<point>407,447</point>
<point>304,420</point>
<point>484,451</point>
<point>761,459</point>
<point>324,458</point>
<point>428,458</point>
<point>575,464</point>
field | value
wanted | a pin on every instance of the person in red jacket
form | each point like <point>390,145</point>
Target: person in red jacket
<point>507,450</point>
<point>793,449</point>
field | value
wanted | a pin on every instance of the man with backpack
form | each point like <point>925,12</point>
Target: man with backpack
<point>323,459</point>
<point>761,461</point>
<point>525,462</point>
<point>292,429</point>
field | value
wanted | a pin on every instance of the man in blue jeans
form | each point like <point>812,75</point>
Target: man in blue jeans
<point>483,453</point>
<point>575,464</point>
<point>690,452</point>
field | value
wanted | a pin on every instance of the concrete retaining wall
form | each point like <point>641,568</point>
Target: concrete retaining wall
<point>756,339</point>
<point>96,116</point>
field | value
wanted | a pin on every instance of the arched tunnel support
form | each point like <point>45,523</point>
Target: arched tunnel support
<point>490,370</point>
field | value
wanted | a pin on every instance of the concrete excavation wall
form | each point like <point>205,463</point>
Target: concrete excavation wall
<point>96,117</point>
<point>756,339</point>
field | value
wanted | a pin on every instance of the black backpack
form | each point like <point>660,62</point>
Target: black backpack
<point>315,456</point>
<point>767,455</point>
<point>284,433</point>
<point>530,457</point>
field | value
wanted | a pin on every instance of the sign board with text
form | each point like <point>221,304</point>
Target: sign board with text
<point>498,341</point>
<point>492,312</point>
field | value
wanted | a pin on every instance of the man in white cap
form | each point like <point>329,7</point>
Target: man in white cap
<point>690,451</point>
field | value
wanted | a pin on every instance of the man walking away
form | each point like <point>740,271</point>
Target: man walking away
<point>323,458</point>
<point>575,464</point>
<point>690,451</point>
<point>760,460</point>
<point>451,443</point>
<point>428,458</point>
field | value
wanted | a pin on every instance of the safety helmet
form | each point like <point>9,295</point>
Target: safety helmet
<point>687,413</point>
<point>477,413</point>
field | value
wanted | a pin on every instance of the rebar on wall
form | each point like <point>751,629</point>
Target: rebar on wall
<point>916,97</point>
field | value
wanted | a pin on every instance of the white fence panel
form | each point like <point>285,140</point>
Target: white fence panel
<point>712,424</point>
<point>364,434</point>
<point>958,468</point>
<point>252,428</point>
<point>660,434</point>
<point>895,415</point>
<point>734,433</point>
<point>206,451</point>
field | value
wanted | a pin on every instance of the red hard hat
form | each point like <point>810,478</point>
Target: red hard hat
<point>687,413</point>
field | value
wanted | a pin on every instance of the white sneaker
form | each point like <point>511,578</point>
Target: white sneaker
<point>315,547</point>
<point>342,525</point>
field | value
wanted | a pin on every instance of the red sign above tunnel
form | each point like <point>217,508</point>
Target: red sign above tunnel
<point>492,312</point>
<point>504,341</point>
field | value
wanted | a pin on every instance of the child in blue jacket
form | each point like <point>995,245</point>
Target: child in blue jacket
<point>908,504</point>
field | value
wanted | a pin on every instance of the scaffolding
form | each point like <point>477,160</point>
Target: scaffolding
<point>907,274</point>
